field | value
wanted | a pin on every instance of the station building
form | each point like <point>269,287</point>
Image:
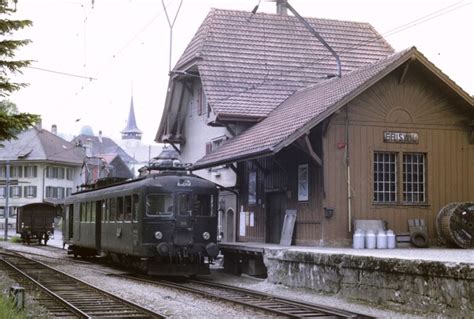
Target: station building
<point>255,102</point>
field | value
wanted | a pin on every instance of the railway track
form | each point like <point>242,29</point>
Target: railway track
<point>65,296</point>
<point>249,298</point>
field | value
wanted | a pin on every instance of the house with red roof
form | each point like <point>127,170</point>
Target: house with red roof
<point>391,139</point>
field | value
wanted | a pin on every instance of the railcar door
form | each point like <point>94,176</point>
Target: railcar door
<point>98,224</point>
<point>68,232</point>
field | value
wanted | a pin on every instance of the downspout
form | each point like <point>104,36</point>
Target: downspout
<point>347,160</point>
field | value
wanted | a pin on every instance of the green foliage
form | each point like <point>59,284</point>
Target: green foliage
<point>11,121</point>
<point>7,309</point>
<point>16,239</point>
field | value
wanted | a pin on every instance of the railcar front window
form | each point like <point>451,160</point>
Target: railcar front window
<point>159,205</point>
<point>196,204</point>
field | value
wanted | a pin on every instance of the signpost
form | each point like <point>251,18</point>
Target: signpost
<point>6,211</point>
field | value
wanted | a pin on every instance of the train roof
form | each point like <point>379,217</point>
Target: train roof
<point>173,180</point>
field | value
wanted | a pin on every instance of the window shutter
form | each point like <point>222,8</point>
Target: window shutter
<point>208,147</point>
<point>199,102</point>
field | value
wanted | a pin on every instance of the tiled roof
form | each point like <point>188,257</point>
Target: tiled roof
<point>103,146</point>
<point>300,112</point>
<point>249,64</point>
<point>41,145</point>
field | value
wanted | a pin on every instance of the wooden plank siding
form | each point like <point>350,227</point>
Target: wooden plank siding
<point>279,175</point>
<point>418,106</point>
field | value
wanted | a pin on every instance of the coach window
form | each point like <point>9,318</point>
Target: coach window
<point>120,209</point>
<point>135,208</point>
<point>93,205</point>
<point>104,210</point>
<point>113,209</point>
<point>128,208</point>
<point>159,205</point>
<point>83,212</point>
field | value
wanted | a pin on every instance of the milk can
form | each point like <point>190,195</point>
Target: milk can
<point>358,239</point>
<point>391,241</point>
<point>381,240</point>
<point>370,241</point>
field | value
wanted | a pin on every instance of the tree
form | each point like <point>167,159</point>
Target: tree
<point>11,121</point>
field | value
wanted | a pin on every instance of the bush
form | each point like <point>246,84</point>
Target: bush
<point>16,239</point>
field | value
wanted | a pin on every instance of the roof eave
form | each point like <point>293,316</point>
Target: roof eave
<point>238,158</point>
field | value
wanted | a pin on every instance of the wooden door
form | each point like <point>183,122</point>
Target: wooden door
<point>275,215</point>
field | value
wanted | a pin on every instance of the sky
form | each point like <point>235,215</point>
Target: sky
<point>90,56</point>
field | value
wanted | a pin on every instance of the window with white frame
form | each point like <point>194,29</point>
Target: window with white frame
<point>201,102</point>
<point>31,171</point>
<point>55,172</point>
<point>3,191</point>
<point>3,171</point>
<point>16,171</point>
<point>69,173</point>
<point>30,191</point>
<point>68,191</point>
<point>390,179</point>
<point>15,191</point>
<point>303,182</point>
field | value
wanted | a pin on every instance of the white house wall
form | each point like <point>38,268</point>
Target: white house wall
<point>198,133</point>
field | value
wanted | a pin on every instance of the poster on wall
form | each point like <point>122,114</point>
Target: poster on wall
<point>242,224</point>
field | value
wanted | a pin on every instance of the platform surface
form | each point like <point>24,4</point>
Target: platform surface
<point>445,255</point>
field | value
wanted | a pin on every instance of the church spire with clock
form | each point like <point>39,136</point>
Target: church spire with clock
<point>131,132</point>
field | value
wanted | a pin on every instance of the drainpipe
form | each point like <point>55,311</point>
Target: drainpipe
<point>349,197</point>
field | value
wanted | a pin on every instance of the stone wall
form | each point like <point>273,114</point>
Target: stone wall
<point>420,287</point>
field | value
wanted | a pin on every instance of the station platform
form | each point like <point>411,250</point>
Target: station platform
<point>425,281</point>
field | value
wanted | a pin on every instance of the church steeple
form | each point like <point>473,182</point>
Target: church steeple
<point>131,132</point>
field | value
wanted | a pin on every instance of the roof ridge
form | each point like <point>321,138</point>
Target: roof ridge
<point>291,16</point>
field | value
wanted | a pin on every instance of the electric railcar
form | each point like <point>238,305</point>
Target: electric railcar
<point>164,223</point>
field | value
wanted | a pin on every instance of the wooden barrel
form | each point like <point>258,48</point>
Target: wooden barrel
<point>455,224</point>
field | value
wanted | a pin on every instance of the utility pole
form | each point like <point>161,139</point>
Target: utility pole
<point>7,194</point>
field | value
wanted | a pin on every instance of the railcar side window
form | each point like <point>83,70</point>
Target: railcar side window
<point>135,208</point>
<point>128,208</point>
<point>93,204</point>
<point>120,209</point>
<point>113,211</point>
<point>159,204</point>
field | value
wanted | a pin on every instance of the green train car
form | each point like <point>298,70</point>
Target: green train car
<point>164,223</point>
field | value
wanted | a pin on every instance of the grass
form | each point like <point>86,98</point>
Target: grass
<point>15,239</point>
<point>7,309</point>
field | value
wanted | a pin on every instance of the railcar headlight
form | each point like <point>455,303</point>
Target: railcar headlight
<point>206,235</point>
<point>158,235</point>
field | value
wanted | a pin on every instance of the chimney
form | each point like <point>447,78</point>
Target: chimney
<point>39,124</point>
<point>281,8</point>
<point>54,129</point>
<point>100,137</point>
<point>88,147</point>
